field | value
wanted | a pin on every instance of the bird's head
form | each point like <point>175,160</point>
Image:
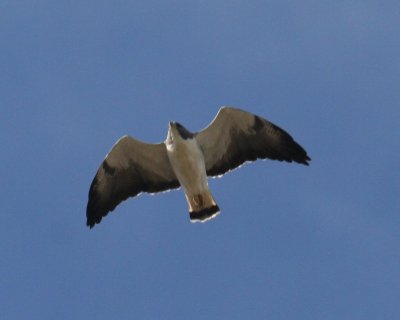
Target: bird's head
<point>177,132</point>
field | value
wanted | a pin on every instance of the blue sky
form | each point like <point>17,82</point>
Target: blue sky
<point>291,242</point>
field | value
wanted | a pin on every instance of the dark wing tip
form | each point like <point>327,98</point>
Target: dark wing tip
<point>306,160</point>
<point>101,199</point>
<point>91,223</point>
<point>294,152</point>
<point>91,217</point>
<point>92,214</point>
<point>287,149</point>
<point>298,154</point>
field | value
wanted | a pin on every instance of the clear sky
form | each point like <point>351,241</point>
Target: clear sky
<point>291,242</point>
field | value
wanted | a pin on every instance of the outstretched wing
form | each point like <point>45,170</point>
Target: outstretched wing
<point>129,168</point>
<point>236,136</point>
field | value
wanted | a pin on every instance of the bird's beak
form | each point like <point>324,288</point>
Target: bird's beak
<point>169,136</point>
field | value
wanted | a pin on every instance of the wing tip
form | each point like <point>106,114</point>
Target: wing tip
<point>302,158</point>
<point>90,224</point>
<point>305,162</point>
<point>94,213</point>
<point>91,218</point>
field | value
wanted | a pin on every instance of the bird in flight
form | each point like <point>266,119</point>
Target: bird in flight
<point>186,159</point>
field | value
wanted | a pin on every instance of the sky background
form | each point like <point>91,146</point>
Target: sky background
<point>291,242</point>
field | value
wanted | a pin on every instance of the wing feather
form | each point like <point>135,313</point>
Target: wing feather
<point>236,136</point>
<point>131,167</point>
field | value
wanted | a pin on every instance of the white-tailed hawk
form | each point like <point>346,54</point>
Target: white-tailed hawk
<point>186,159</point>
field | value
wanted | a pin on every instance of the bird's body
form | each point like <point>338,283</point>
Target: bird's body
<point>186,159</point>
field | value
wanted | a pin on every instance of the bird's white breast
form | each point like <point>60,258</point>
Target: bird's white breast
<point>187,161</point>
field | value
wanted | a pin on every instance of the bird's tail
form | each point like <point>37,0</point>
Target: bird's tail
<point>202,207</point>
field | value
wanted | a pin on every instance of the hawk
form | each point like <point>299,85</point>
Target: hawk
<point>186,159</point>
